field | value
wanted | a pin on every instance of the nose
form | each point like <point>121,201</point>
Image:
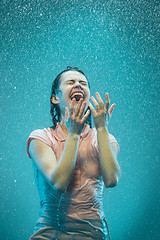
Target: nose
<point>77,85</point>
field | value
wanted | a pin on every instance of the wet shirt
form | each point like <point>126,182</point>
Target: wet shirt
<point>76,213</point>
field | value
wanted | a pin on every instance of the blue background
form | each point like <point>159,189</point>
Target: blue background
<point>116,44</point>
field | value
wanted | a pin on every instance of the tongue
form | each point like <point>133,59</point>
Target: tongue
<point>77,97</point>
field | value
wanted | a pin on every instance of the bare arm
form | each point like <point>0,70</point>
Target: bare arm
<point>59,174</point>
<point>108,154</point>
<point>108,159</point>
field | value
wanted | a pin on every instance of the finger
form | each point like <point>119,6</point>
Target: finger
<point>72,106</point>
<point>66,114</point>
<point>99,100</point>
<point>108,117</point>
<point>107,101</point>
<point>111,109</point>
<point>85,116</point>
<point>81,111</point>
<point>95,103</point>
<point>92,109</point>
<point>77,109</point>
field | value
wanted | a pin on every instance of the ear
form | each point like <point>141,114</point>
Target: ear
<point>55,99</point>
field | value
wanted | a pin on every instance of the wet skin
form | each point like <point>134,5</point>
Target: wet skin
<point>74,98</point>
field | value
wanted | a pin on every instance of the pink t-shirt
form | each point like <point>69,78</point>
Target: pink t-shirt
<point>77,212</point>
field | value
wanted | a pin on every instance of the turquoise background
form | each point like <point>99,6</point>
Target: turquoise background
<point>116,44</point>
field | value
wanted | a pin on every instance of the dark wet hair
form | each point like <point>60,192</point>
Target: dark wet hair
<point>55,109</point>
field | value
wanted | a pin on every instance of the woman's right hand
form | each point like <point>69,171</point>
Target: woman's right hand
<point>76,116</point>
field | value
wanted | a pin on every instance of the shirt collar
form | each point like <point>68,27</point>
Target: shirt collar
<point>61,136</point>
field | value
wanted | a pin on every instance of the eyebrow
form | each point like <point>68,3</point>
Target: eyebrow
<point>74,80</point>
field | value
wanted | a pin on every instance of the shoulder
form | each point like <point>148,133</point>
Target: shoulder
<point>114,143</point>
<point>93,133</point>
<point>112,139</point>
<point>44,131</point>
<point>46,135</point>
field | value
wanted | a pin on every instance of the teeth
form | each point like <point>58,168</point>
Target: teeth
<point>77,96</point>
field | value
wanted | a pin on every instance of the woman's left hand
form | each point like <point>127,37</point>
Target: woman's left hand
<point>100,111</point>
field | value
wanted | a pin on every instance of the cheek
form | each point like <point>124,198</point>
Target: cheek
<point>66,92</point>
<point>88,93</point>
<point>66,98</point>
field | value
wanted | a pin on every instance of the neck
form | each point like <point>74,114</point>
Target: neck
<point>64,125</point>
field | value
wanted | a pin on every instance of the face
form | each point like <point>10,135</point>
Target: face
<point>73,85</point>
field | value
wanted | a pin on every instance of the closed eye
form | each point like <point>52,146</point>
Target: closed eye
<point>83,83</point>
<point>70,82</point>
<point>73,81</point>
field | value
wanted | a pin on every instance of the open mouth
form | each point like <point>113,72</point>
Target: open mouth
<point>77,96</point>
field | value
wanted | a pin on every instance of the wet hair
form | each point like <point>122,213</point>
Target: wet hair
<point>55,109</point>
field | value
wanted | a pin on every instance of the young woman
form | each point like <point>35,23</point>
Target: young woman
<point>72,162</point>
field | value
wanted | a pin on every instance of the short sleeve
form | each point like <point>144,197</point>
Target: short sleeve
<point>41,134</point>
<point>113,140</point>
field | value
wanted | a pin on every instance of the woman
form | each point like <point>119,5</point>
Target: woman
<point>72,162</point>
